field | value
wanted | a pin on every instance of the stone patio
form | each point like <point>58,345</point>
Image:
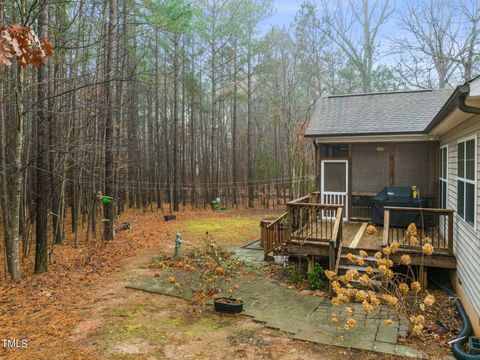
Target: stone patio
<point>249,252</point>
<point>305,316</point>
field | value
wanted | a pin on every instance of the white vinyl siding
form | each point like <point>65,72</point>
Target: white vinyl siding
<point>466,237</point>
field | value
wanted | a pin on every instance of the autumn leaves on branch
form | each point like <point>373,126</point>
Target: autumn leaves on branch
<point>22,42</point>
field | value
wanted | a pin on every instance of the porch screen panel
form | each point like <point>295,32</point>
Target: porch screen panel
<point>335,177</point>
<point>415,164</point>
<point>370,168</point>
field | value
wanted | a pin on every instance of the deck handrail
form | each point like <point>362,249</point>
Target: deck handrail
<point>338,237</point>
<point>418,209</point>
<point>299,200</point>
<point>273,235</point>
<point>338,223</point>
<point>277,220</point>
<point>437,224</point>
<point>324,206</point>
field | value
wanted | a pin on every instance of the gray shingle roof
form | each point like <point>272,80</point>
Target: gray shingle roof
<point>382,113</point>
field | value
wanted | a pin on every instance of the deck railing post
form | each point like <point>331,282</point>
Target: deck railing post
<point>340,228</point>
<point>275,236</point>
<point>263,237</point>
<point>331,261</point>
<point>288,235</point>
<point>450,233</point>
<point>386,227</point>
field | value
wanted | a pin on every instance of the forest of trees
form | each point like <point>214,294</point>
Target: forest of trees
<point>171,103</point>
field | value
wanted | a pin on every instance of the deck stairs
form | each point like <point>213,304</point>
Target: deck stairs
<point>345,264</point>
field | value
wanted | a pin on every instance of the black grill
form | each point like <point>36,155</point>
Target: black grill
<point>397,196</point>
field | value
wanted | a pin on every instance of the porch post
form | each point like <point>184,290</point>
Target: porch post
<point>318,160</point>
<point>348,210</point>
<point>392,164</point>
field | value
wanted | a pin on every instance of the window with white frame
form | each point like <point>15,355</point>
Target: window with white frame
<point>466,180</point>
<point>443,179</point>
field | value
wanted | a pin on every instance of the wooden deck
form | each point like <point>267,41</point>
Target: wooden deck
<point>355,235</point>
<point>356,238</point>
<point>313,229</point>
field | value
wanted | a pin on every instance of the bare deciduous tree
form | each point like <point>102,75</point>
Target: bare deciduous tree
<point>354,27</point>
<point>440,42</point>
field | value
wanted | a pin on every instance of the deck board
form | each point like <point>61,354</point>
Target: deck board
<point>371,241</point>
<point>358,236</point>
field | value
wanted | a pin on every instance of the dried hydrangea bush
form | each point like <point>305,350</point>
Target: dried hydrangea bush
<point>400,293</point>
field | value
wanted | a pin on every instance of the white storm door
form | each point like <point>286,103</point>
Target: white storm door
<point>334,189</point>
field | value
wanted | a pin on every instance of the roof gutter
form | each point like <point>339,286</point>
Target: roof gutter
<point>464,91</point>
<point>375,138</point>
<point>457,99</point>
<point>446,109</point>
<point>393,133</point>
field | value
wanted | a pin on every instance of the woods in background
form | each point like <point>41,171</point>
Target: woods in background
<point>167,104</point>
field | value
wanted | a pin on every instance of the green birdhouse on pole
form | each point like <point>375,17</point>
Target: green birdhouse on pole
<point>216,204</point>
<point>104,199</point>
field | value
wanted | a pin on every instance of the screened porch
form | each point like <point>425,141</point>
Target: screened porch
<point>352,174</point>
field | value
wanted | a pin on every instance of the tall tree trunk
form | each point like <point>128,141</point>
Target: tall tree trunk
<point>12,246</point>
<point>158,161</point>
<point>166,137</point>
<point>184,140</point>
<point>41,244</point>
<point>234,128</point>
<point>249,123</point>
<point>3,162</point>
<point>56,86</point>
<point>176,41</point>
<point>211,173</point>
<point>193,162</point>
<point>109,213</point>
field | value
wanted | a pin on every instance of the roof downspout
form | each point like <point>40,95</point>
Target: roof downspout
<point>464,91</point>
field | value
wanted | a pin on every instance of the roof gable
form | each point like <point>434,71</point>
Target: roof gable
<point>405,112</point>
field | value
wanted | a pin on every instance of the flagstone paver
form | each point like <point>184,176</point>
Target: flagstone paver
<point>386,348</point>
<point>249,252</point>
<point>306,317</point>
<point>387,334</point>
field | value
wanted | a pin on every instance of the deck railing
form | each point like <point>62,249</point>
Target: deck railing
<point>273,235</point>
<point>336,242</point>
<point>319,224</point>
<point>435,224</point>
<point>361,206</point>
<point>308,220</point>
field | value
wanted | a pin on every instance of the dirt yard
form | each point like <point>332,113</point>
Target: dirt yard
<point>82,309</point>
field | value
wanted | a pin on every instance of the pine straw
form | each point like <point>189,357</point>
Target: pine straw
<point>45,308</point>
<point>442,324</point>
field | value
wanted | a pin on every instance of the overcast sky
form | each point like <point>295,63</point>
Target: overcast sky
<point>284,13</point>
<point>285,10</point>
